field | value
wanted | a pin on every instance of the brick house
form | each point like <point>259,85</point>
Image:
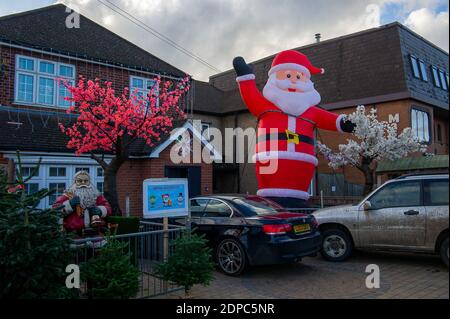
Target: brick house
<point>36,49</point>
<point>390,68</point>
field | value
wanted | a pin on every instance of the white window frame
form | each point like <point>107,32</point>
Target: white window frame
<point>57,177</point>
<point>51,78</point>
<point>425,135</point>
<point>52,180</point>
<point>38,69</point>
<point>36,74</point>
<point>16,87</point>
<point>83,167</point>
<point>144,90</point>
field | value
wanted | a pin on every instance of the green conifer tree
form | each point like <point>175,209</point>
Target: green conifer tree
<point>34,251</point>
<point>190,264</point>
<point>110,275</point>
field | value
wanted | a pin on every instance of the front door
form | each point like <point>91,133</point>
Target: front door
<point>397,218</point>
<point>192,173</point>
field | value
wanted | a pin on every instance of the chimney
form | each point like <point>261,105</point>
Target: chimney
<point>318,36</point>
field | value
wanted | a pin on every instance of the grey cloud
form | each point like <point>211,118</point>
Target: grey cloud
<point>218,30</point>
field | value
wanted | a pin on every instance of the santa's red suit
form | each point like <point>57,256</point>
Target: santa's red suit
<point>75,222</point>
<point>283,139</point>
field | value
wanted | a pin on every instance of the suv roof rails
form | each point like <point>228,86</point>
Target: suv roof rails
<point>421,174</point>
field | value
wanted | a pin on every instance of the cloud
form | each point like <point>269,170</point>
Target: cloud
<point>432,26</point>
<point>218,30</point>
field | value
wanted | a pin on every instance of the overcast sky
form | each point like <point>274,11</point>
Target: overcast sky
<point>218,30</point>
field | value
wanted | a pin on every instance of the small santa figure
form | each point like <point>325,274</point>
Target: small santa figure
<point>287,117</point>
<point>82,204</point>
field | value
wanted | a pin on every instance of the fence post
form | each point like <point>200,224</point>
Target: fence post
<point>321,198</point>
<point>165,248</point>
<point>166,238</point>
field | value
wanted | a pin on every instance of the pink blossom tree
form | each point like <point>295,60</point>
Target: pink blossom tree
<point>110,123</point>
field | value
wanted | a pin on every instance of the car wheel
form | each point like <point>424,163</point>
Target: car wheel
<point>231,257</point>
<point>336,245</point>
<point>444,251</point>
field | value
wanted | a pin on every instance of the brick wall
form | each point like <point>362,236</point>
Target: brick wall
<point>132,174</point>
<point>134,171</point>
<point>120,78</point>
<point>332,139</point>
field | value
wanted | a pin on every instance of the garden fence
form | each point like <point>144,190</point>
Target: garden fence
<point>148,248</point>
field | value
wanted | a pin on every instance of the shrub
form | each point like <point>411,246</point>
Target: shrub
<point>190,264</point>
<point>110,275</point>
<point>34,251</point>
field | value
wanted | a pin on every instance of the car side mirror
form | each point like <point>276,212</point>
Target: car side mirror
<point>367,205</point>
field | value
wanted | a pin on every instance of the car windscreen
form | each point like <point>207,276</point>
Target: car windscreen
<point>251,207</point>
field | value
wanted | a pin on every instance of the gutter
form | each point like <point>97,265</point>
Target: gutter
<point>86,59</point>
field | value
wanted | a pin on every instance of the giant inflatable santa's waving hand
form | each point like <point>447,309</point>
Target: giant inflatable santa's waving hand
<point>287,116</point>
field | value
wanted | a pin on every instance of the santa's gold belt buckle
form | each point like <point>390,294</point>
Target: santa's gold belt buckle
<point>292,137</point>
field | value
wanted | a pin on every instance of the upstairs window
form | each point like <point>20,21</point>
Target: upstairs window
<point>26,64</point>
<point>415,66</point>
<point>420,125</point>
<point>423,71</point>
<point>436,80</point>
<point>142,87</point>
<point>443,79</point>
<point>41,82</point>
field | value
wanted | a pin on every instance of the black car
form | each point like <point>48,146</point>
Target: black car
<point>251,230</point>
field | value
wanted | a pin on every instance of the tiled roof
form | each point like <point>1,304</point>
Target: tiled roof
<point>367,65</point>
<point>414,163</point>
<point>45,28</point>
<point>38,131</point>
<point>207,98</point>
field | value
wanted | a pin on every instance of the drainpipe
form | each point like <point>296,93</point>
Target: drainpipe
<point>235,157</point>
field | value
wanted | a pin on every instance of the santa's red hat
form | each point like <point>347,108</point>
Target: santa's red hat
<point>293,60</point>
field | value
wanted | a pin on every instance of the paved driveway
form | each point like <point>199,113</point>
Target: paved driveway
<point>401,276</point>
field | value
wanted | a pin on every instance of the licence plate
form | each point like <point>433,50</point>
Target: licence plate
<point>302,228</point>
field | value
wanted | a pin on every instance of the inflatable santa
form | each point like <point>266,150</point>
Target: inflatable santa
<point>82,204</point>
<point>287,117</point>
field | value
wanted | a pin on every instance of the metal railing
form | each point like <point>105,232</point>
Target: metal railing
<point>148,248</point>
<point>303,210</point>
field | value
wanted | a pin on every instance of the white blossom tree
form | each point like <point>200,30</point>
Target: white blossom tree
<point>375,141</point>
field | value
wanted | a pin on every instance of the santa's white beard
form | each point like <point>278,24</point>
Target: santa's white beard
<point>293,103</point>
<point>88,195</point>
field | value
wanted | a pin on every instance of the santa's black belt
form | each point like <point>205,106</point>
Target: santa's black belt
<point>287,136</point>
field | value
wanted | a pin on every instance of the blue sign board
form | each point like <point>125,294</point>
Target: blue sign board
<point>166,197</point>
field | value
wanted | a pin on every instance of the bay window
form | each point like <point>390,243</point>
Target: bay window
<point>41,82</point>
<point>58,177</point>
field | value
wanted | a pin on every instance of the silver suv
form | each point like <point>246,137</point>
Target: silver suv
<point>409,213</point>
